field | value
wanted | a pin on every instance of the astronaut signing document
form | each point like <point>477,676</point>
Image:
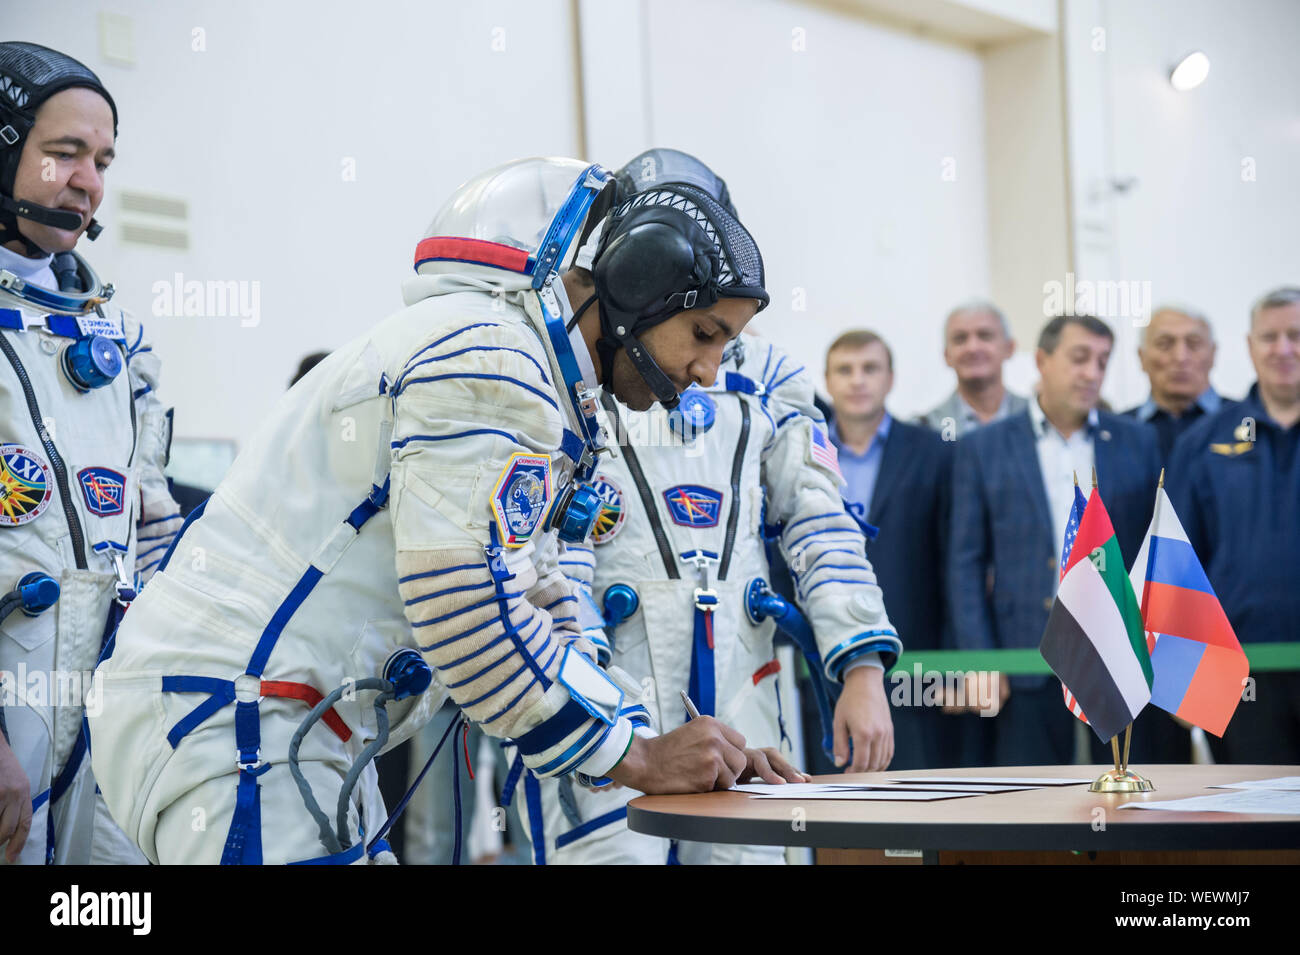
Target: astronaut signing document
<point>394,534</point>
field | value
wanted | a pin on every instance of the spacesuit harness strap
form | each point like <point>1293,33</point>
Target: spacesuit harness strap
<point>703,679</point>
<point>66,326</point>
<point>243,841</point>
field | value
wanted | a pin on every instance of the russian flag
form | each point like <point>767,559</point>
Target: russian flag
<point>1198,664</point>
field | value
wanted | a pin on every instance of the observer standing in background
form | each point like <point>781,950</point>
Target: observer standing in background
<point>1177,352</point>
<point>1234,480</point>
<point>1012,492</point>
<point>899,473</point>
<point>976,343</point>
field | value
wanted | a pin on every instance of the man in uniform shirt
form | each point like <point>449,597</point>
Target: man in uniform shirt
<point>1177,353</point>
<point>1234,480</point>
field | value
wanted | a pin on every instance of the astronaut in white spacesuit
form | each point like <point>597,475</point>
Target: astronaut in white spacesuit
<point>83,440</point>
<point>398,518</point>
<point>679,573</point>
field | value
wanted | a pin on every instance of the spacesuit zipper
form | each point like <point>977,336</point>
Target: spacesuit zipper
<point>56,460</point>
<point>647,499</point>
<point>737,463</point>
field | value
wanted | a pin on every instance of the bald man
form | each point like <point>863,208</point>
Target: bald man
<point>1177,352</point>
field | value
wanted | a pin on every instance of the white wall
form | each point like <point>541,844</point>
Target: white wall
<point>253,133</point>
<point>832,134</point>
<point>1190,225</point>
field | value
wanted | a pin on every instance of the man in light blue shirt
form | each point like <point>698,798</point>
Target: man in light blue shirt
<point>976,343</point>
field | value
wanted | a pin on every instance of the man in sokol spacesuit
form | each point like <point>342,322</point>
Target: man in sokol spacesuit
<point>679,554</point>
<point>401,507</point>
<point>83,440</point>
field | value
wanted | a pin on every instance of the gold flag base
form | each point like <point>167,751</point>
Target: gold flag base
<point>1121,781</point>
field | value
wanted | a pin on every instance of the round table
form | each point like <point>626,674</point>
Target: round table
<point>1054,824</point>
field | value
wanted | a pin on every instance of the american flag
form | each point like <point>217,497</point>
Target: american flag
<point>824,452</point>
<point>1071,532</point>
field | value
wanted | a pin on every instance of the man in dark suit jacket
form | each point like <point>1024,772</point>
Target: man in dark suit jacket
<point>1011,498</point>
<point>899,473</point>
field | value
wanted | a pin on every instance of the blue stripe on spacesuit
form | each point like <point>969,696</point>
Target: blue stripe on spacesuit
<point>767,363</point>
<point>346,857</point>
<point>448,337</point>
<point>815,517</point>
<point>859,567</point>
<point>454,436</point>
<point>775,371</point>
<point>222,694</point>
<point>138,339</point>
<point>575,754</point>
<point>843,531</point>
<point>555,603</point>
<point>438,573</point>
<point>470,656</point>
<point>244,838</point>
<point>787,417</point>
<point>141,392</point>
<point>159,520</point>
<point>280,619</point>
<point>449,590</point>
<point>590,826</point>
<point>507,681</point>
<point>778,384</point>
<point>452,354</point>
<point>151,550</point>
<point>837,580</point>
<point>148,566</point>
<point>483,376</point>
<point>533,795</point>
<point>460,636</point>
<point>486,602</point>
<point>511,705</point>
<point>559,620</point>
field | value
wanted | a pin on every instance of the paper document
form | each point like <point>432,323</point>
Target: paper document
<point>797,789</point>
<point>789,789</point>
<point>1276,801</point>
<point>995,780</point>
<point>1291,783</point>
<point>867,795</point>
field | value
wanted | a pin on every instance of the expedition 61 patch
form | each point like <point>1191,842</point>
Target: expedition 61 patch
<point>612,512</point>
<point>520,497</point>
<point>25,486</point>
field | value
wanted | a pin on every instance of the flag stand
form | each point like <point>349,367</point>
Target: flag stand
<point>1121,779</point>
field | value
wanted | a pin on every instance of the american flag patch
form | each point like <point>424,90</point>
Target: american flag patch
<point>823,451</point>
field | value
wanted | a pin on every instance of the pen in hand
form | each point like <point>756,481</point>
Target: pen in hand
<point>690,707</point>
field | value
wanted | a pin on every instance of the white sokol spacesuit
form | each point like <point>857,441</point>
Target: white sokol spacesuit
<point>396,498</point>
<point>83,499</point>
<point>683,527</point>
<point>79,469</point>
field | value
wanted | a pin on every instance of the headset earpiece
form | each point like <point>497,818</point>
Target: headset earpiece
<point>651,255</point>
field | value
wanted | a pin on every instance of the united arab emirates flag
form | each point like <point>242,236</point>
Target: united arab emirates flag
<point>1094,639</point>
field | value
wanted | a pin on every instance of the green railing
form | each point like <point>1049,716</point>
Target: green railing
<point>1262,656</point>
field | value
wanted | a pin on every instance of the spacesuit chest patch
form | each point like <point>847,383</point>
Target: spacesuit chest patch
<point>692,505</point>
<point>104,490</point>
<point>25,485</point>
<point>520,497</point>
<point>612,512</point>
